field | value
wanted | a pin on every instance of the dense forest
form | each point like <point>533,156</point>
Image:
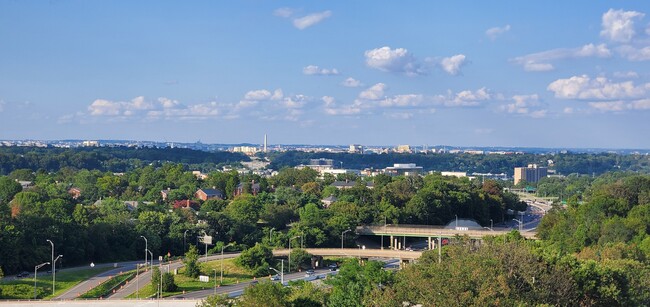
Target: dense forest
<point>114,159</point>
<point>569,163</point>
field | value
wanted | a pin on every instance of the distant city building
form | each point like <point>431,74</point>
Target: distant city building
<point>454,174</point>
<point>403,169</point>
<point>339,171</point>
<point>356,149</point>
<point>254,188</point>
<point>90,143</point>
<point>532,173</point>
<point>327,201</point>
<point>248,150</point>
<point>200,175</point>
<point>403,149</point>
<point>347,184</point>
<point>321,162</point>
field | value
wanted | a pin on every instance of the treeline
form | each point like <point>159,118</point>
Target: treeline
<point>97,225</point>
<point>114,159</point>
<point>563,163</point>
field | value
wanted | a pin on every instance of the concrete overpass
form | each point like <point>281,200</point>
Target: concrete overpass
<point>356,252</point>
<point>431,232</point>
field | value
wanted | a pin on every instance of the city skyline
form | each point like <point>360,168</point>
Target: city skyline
<point>461,74</point>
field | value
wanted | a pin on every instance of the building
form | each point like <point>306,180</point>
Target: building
<point>241,188</point>
<point>205,194</point>
<point>356,149</point>
<point>319,164</point>
<point>347,184</point>
<point>454,174</point>
<point>247,150</point>
<point>403,149</point>
<point>532,173</point>
<point>74,192</point>
<point>165,193</point>
<point>327,201</point>
<point>403,169</point>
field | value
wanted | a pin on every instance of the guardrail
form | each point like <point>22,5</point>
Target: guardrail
<point>434,231</point>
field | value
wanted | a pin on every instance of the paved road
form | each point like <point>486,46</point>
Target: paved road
<point>94,281</point>
<point>143,279</point>
<point>356,252</point>
<point>238,289</point>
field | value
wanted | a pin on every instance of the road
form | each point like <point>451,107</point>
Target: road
<point>143,279</point>
<point>94,281</point>
<point>238,289</point>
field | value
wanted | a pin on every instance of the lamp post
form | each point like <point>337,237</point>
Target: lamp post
<point>343,236</point>
<point>491,225</point>
<point>456,215</point>
<point>281,272</point>
<point>271,235</point>
<point>184,245</point>
<point>146,248</point>
<point>53,267</point>
<point>35,271</point>
<point>520,226</point>
<point>151,254</point>
<point>289,268</point>
<point>302,237</point>
<point>382,235</point>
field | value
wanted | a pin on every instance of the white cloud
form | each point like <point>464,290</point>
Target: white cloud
<point>393,60</point>
<point>311,19</point>
<point>140,107</point>
<point>618,25</point>
<point>277,94</point>
<point>258,95</point>
<point>295,101</point>
<point>493,33</point>
<point>465,98</point>
<point>540,61</point>
<point>525,105</point>
<point>375,92</point>
<point>583,87</point>
<point>626,74</point>
<point>284,12</point>
<point>345,110</point>
<point>329,101</point>
<point>453,64</point>
<point>634,54</point>
<point>408,100</point>
<point>351,82</point>
<point>315,70</point>
<point>399,115</point>
<point>101,107</point>
<point>608,106</point>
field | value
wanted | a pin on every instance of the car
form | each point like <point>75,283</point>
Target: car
<point>275,277</point>
<point>253,282</point>
<point>309,273</point>
<point>22,274</point>
<point>333,267</point>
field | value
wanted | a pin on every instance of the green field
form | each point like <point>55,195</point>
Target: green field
<point>24,288</point>
<point>231,275</point>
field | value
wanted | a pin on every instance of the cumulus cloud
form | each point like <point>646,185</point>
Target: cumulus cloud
<point>311,19</point>
<point>408,100</point>
<point>351,82</point>
<point>142,108</point>
<point>258,95</point>
<point>619,25</point>
<point>398,60</point>
<point>540,61</point>
<point>584,87</point>
<point>452,64</point>
<point>465,98</point>
<point>343,110</point>
<point>493,33</point>
<point>374,92</point>
<point>626,74</point>
<point>633,53</point>
<point>315,70</point>
<point>525,105</point>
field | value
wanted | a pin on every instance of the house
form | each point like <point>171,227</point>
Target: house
<point>205,194</point>
<point>347,184</point>
<point>254,188</point>
<point>131,205</point>
<point>327,201</point>
<point>187,204</point>
<point>74,192</point>
<point>25,184</point>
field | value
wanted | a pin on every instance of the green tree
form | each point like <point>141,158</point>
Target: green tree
<point>218,300</point>
<point>191,262</point>
<point>256,258</point>
<point>265,293</point>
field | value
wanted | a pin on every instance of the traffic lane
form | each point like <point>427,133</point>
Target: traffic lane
<point>237,289</point>
<point>94,281</point>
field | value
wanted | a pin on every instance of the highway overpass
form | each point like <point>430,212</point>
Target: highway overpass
<point>356,252</point>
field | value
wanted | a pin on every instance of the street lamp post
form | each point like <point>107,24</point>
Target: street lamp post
<point>151,264</point>
<point>146,248</point>
<point>281,272</point>
<point>456,220</point>
<point>520,224</point>
<point>491,225</point>
<point>302,237</point>
<point>184,245</point>
<point>215,281</point>
<point>343,236</point>
<point>35,271</point>
<point>53,267</point>
<point>271,235</point>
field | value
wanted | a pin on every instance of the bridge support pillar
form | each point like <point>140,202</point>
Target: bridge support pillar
<point>430,245</point>
<point>392,243</point>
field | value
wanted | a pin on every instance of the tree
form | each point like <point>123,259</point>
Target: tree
<point>168,284</point>
<point>218,300</point>
<point>265,293</point>
<point>256,258</point>
<point>191,262</point>
<point>8,189</point>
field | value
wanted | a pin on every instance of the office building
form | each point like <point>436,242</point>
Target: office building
<point>532,173</point>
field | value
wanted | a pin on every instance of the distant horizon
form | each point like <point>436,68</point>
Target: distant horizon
<point>271,145</point>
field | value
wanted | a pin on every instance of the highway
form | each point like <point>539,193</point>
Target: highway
<point>356,252</point>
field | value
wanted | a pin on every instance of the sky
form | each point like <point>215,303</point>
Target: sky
<point>462,73</point>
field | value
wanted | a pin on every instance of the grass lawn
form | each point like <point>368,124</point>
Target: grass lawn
<point>24,288</point>
<point>231,274</point>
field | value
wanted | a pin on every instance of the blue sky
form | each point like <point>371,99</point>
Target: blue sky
<point>471,73</point>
